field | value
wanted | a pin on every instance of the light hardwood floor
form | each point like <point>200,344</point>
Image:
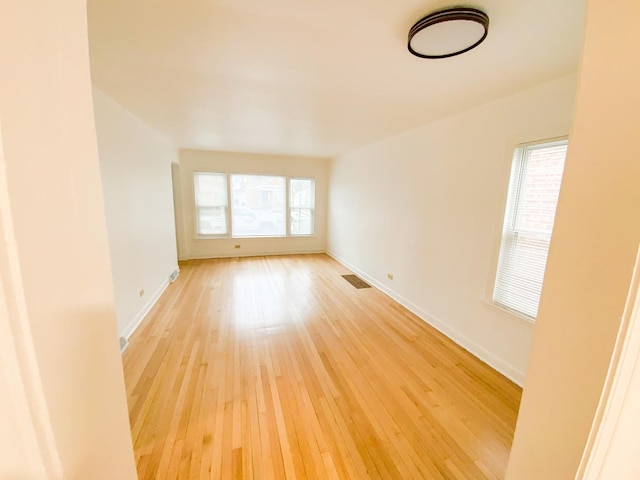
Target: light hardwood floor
<point>276,367</point>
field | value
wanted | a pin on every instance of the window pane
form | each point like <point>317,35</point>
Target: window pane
<point>531,207</point>
<point>211,203</point>
<point>257,206</point>
<point>301,202</point>
<point>301,221</point>
<point>302,194</point>
<point>540,188</point>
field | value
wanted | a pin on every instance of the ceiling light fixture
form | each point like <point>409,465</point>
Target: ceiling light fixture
<point>449,32</point>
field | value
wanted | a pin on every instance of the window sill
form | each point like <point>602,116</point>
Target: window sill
<point>242,237</point>
<point>229,237</point>
<point>210,237</point>
<point>521,320</point>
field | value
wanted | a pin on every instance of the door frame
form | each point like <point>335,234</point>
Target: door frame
<point>623,375</point>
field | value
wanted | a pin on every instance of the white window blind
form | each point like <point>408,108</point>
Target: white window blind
<point>534,186</point>
<point>211,203</point>
<point>301,205</point>
<point>257,206</point>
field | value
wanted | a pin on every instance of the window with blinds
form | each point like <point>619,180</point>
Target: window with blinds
<point>534,186</point>
<point>211,203</point>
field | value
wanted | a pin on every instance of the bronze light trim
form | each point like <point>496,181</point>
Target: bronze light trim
<point>447,15</point>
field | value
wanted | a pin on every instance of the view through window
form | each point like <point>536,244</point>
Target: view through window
<point>301,205</point>
<point>257,206</point>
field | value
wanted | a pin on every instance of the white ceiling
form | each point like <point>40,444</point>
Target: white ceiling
<point>312,77</point>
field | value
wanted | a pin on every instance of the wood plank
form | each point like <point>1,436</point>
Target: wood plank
<point>275,367</point>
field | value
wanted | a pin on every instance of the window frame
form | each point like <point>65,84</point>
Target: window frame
<point>516,155</point>
<point>229,206</point>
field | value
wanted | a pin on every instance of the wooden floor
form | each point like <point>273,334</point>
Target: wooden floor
<point>276,367</point>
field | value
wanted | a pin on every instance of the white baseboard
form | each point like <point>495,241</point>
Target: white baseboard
<point>137,320</point>
<point>497,363</point>
<point>253,254</point>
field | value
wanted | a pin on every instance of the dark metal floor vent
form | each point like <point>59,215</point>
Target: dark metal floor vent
<point>356,281</point>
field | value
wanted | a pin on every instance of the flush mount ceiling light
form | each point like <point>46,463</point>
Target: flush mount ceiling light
<point>448,32</point>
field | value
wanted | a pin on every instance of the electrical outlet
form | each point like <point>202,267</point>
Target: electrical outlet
<point>141,293</point>
<point>390,276</point>
<point>237,246</point>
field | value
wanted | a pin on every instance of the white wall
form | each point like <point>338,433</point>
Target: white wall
<point>207,161</point>
<point>135,163</point>
<point>427,207</point>
<point>57,250</point>
<point>592,254</point>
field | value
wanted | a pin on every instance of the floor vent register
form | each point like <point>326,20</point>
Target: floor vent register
<point>356,281</point>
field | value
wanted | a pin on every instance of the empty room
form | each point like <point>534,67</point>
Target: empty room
<point>319,240</point>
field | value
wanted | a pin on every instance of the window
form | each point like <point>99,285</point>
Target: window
<point>536,175</point>
<point>301,205</point>
<point>211,203</point>
<point>257,206</point>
